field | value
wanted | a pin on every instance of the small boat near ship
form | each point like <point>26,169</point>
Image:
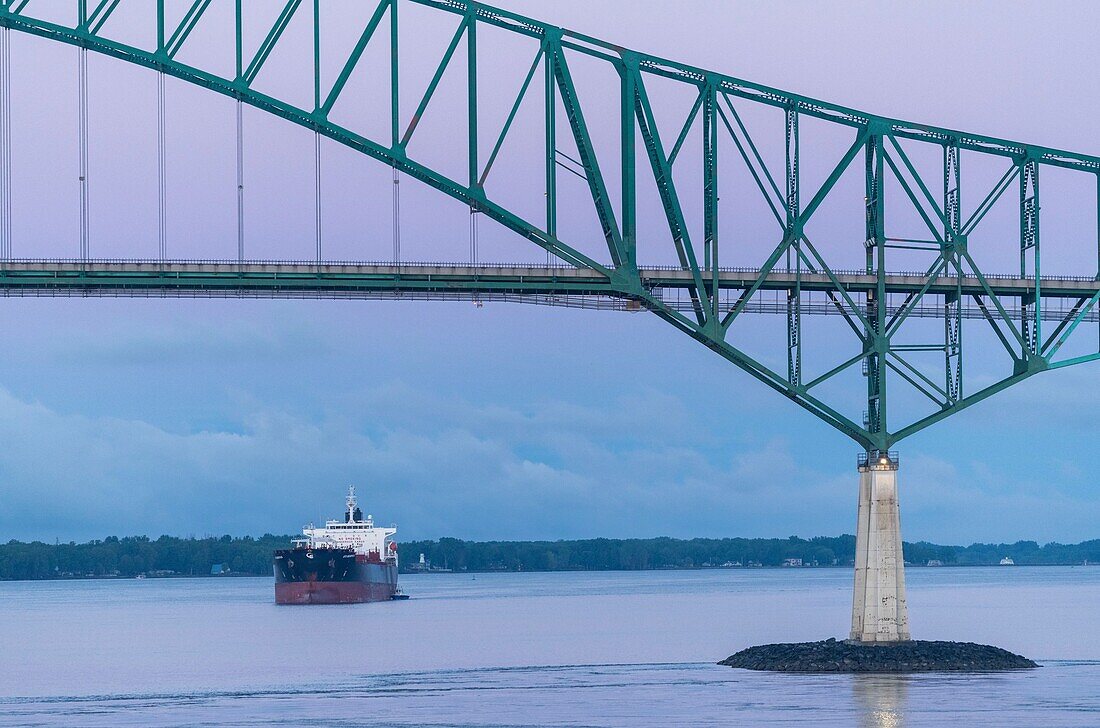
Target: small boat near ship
<point>346,562</point>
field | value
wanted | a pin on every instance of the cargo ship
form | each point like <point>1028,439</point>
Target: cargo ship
<point>346,562</point>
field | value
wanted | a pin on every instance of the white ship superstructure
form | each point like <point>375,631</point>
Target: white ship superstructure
<point>354,532</point>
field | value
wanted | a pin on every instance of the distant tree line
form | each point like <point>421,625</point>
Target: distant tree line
<point>602,554</point>
<point>133,555</point>
<point>172,556</point>
<point>670,553</point>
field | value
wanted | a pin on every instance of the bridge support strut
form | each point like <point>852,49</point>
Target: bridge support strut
<point>879,613</point>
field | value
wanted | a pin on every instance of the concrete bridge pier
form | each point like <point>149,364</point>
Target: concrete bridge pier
<point>879,641</point>
<point>879,614</point>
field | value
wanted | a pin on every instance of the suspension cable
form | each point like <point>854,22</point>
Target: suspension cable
<point>5,145</point>
<point>82,65</point>
<point>317,188</point>
<point>162,165</point>
<point>396,216</point>
<point>240,182</point>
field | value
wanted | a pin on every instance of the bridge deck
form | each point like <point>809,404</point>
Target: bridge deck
<point>47,277</point>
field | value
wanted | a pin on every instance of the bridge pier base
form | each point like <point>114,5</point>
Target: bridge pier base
<point>879,641</point>
<point>879,614</point>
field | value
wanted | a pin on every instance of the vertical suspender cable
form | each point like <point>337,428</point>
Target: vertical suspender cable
<point>317,188</point>
<point>396,216</point>
<point>5,145</point>
<point>240,182</point>
<point>162,164</point>
<point>82,64</point>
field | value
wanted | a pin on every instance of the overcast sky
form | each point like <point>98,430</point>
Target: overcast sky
<point>146,416</point>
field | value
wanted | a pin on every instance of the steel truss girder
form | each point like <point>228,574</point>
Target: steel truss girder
<point>876,332</point>
<point>953,302</point>
<point>861,297</point>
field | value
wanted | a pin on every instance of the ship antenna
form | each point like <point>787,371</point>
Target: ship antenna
<point>351,502</point>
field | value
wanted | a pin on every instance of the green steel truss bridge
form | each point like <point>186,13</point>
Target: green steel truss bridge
<point>1025,316</point>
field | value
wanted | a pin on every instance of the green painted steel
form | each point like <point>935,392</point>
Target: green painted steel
<point>1015,307</point>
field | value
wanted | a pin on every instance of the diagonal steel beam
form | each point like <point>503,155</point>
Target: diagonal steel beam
<point>567,93</point>
<point>354,57</point>
<point>682,137</point>
<point>666,188</point>
<point>270,41</point>
<point>851,304</point>
<point>994,298</point>
<point>511,117</point>
<point>805,215</point>
<point>776,202</point>
<point>925,386</point>
<point>763,374</point>
<point>1083,359</point>
<point>183,30</point>
<point>434,83</point>
<point>1078,314</point>
<point>960,405</point>
<point>913,197</point>
<point>988,316</point>
<point>940,215</point>
<point>990,199</point>
<point>846,364</point>
<point>99,16</point>
<point>899,316</point>
<point>773,204</point>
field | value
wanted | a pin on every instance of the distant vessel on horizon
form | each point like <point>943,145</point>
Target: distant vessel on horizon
<point>1007,561</point>
<point>346,562</point>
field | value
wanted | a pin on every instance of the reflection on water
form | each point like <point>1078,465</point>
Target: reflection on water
<point>882,699</point>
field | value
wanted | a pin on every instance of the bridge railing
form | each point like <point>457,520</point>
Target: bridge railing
<point>489,265</point>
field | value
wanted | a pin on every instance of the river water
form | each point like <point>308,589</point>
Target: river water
<point>559,649</point>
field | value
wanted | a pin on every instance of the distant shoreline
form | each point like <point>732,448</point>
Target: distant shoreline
<point>174,557</point>
<point>846,567</point>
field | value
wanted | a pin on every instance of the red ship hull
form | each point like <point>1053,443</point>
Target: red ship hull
<point>332,592</point>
